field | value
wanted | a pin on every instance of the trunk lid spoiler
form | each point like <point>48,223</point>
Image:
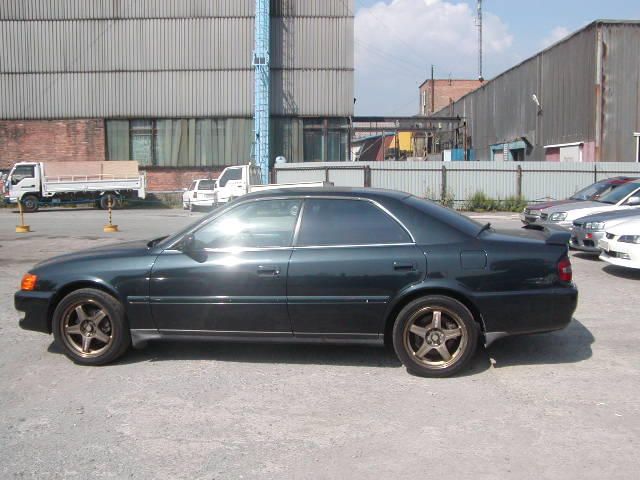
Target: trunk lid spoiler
<point>556,236</point>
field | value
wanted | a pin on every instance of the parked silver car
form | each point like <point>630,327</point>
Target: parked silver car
<point>587,231</point>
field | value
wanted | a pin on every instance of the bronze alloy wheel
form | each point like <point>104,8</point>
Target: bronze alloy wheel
<point>435,336</point>
<point>87,328</point>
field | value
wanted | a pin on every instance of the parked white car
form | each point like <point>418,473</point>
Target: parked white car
<point>621,245</point>
<point>200,194</point>
<point>624,197</point>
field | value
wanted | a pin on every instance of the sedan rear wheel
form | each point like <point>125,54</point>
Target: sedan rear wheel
<point>435,336</point>
<point>90,327</point>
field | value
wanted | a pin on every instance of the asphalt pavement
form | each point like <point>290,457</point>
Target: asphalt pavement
<point>561,405</point>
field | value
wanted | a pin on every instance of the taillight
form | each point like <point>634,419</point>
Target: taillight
<point>28,282</point>
<point>564,270</point>
<point>195,194</point>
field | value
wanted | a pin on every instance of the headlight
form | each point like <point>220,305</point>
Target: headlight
<point>629,239</point>
<point>594,226</point>
<point>558,217</point>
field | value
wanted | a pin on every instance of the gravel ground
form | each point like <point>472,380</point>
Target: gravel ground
<point>561,405</point>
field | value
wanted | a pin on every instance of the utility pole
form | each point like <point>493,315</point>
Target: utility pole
<point>433,91</point>
<point>262,82</point>
<point>479,25</point>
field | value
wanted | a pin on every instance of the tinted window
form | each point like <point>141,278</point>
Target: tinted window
<point>232,174</point>
<point>206,185</point>
<point>348,222</point>
<point>268,223</point>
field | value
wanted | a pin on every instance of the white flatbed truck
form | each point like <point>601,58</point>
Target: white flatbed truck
<point>56,183</point>
<point>235,182</point>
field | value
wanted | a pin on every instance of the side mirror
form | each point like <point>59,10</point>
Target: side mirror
<point>633,201</point>
<point>188,243</point>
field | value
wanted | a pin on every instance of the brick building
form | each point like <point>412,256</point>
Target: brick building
<point>170,84</point>
<point>444,92</point>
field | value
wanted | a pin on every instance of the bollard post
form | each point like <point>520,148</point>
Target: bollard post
<point>22,228</point>
<point>110,227</point>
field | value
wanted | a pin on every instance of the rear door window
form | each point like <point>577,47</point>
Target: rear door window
<point>327,222</point>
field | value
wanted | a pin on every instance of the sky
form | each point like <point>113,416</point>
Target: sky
<point>397,41</point>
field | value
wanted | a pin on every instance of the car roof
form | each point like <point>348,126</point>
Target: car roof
<point>356,192</point>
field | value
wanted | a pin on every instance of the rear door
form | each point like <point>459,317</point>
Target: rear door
<point>350,259</point>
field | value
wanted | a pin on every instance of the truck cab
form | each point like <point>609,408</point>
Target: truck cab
<point>23,182</point>
<point>235,182</point>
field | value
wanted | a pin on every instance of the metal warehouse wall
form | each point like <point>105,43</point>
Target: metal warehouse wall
<point>563,78</point>
<point>621,90</point>
<point>534,181</point>
<point>128,58</point>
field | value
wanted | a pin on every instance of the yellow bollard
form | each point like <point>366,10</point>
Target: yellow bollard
<point>22,228</point>
<point>110,227</point>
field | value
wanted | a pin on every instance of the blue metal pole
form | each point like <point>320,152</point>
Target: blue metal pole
<point>262,84</point>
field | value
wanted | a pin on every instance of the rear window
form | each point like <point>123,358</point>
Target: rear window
<point>446,215</point>
<point>206,185</point>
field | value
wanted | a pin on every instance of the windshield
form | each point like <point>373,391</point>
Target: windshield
<point>593,191</point>
<point>619,193</point>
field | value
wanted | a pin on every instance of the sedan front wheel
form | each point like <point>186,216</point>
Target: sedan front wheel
<point>91,328</point>
<point>435,336</point>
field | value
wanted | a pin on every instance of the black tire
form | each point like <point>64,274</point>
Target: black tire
<point>453,331</point>
<point>30,203</point>
<point>109,197</point>
<point>113,325</point>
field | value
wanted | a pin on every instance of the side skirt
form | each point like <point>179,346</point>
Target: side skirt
<point>140,337</point>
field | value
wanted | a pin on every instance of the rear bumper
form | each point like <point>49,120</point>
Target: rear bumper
<point>524,312</point>
<point>35,306</point>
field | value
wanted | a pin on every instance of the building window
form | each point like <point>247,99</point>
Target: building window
<point>181,142</point>
<point>325,140</point>
<point>221,142</point>
<point>141,141</point>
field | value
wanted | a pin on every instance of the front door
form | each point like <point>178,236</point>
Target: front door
<point>232,277</point>
<point>350,260</point>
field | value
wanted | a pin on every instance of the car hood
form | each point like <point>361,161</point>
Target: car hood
<point>118,250</point>
<point>608,216</point>
<point>554,203</point>
<point>568,207</point>
<point>631,227</point>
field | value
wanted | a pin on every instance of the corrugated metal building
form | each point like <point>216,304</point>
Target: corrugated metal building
<point>587,88</point>
<point>170,83</point>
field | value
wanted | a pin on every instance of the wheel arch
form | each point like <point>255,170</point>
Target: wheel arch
<point>412,295</point>
<point>72,287</point>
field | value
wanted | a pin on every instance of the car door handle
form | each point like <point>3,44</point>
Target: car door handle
<point>269,270</point>
<point>404,266</point>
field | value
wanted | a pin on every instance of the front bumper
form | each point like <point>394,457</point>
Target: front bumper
<point>567,225</point>
<point>614,251</point>
<point>579,240</point>
<point>35,306</point>
<point>529,218</point>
